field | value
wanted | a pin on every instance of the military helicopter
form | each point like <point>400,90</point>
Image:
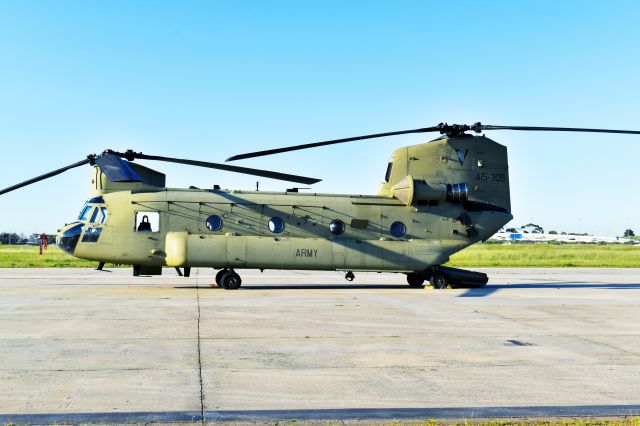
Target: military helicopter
<point>436,199</point>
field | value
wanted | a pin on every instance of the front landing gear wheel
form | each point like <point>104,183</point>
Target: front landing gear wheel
<point>415,280</point>
<point>230,280</point>
<point>439,281</point>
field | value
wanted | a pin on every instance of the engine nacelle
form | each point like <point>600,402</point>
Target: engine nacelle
<point>410,190</point>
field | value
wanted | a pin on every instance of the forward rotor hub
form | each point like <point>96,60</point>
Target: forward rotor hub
<point>458,129</point>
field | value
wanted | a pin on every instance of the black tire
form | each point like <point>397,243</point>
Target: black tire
<point>439,281</point>
<point>415,280</point>
<point>219,276</point>
<point>230,280</point>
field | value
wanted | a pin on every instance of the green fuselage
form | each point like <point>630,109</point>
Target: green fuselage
<point>408,227</point>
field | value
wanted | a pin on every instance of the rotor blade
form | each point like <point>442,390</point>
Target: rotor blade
<point>331,142</point>
<point>228,168</point>
<point>45,176</point>
<point>559,129</point>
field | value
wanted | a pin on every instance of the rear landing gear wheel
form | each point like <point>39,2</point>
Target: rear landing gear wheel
<point>439,281</point>
<point>230,280</point>
<point>415,280</point>
<point>219,276</point>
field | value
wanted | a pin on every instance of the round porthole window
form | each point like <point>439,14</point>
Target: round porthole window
<point>276,225</point>
<point>337,227</point>
<point>398,229</point>
<point>214,223</point>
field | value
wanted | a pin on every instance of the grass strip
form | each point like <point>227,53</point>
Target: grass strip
<point>548,255</point>
<point>479,255</point>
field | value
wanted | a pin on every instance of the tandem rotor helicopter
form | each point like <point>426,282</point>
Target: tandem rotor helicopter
<point>436,199</point>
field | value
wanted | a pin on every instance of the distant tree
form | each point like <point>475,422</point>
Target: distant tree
<point>511,230</point>
<point>629,233</point>
<point>553,233</point>
<point>532,228</point>
<point>9,238</point>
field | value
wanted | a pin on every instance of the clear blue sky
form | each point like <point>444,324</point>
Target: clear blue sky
<point>209,79</point>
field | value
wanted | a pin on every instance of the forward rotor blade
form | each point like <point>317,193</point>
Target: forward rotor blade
<point>559,129</point>
<point>228,168</point>
<point>331,142</point>
<point>45,176</point>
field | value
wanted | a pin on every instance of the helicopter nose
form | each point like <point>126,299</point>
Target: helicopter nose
<point>69,236</point>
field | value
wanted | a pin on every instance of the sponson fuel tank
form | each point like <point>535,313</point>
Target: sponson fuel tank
<point>184,249</point>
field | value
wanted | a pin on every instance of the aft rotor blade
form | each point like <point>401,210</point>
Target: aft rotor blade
<point>559,129</point>
<point>226,167</point>
<point>45,176</point>
<point>331,142</point>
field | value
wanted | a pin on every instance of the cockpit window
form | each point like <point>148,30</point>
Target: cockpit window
<point>94,215</point>
<point>104,213</point>
<point>84,213</point>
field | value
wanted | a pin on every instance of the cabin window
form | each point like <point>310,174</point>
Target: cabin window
<point>337,227</point>
<point>214,223</point>
<point>147,222</point>
<point>276,225</point>
<point>398,229</point>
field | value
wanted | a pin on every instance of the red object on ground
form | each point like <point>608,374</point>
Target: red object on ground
<point>44,242</point>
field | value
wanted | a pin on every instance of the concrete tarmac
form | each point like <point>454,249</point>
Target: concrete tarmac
<point>79,345</point>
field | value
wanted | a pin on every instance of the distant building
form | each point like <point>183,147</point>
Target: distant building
<point>545,238</point>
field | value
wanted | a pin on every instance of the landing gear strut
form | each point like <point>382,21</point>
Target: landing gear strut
<point>228,279</point>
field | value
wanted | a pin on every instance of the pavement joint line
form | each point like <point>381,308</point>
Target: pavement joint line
<point>608,346</point>
<point>202,419</point>
<point>527,321</point>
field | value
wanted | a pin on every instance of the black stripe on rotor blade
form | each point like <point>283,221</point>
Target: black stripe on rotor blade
<point>560,129</point>
<point>324,143</point>
<point>244,170</point>
<point>44,176</point>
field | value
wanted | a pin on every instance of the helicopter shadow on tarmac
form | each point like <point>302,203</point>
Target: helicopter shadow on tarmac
<point>470,292</point>
<point>250,287</point>
<point>490,289</point>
